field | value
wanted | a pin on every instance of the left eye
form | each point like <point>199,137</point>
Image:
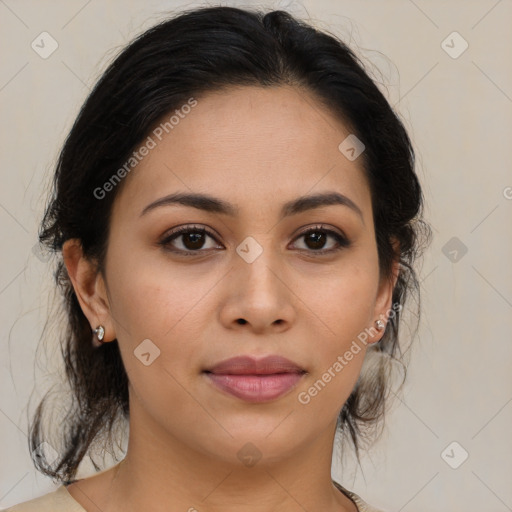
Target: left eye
<point>193,240</point>
<point>317,238</point>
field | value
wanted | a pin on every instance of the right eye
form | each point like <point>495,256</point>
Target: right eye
<point>192,239</point>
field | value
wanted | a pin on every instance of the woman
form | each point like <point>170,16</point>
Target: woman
<point>238,216</point>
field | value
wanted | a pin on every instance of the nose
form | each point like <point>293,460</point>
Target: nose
<point>259,295</point>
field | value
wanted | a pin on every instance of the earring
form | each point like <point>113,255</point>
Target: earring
<point>380,324</point>
<point>100,333</point>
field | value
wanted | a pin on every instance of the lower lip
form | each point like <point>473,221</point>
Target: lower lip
<point>255,388</point>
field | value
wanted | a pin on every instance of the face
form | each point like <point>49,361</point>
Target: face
<point>251,275</point>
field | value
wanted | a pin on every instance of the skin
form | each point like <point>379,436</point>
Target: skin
<point>256,148</point>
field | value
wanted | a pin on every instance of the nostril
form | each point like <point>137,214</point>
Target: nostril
<point>241,321</point>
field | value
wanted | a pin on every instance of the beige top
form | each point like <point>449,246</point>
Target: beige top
<point>61,500</point>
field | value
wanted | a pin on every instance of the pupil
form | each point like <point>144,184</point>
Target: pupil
<point>317,239</point>
<point>195,238</point>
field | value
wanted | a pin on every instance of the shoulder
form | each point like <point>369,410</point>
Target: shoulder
<point>58,500</point>
<point>361,505</point>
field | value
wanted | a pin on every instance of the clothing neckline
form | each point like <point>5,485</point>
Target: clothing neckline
<point>353,497</point>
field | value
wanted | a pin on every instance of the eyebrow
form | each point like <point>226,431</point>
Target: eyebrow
<point>216,205</point>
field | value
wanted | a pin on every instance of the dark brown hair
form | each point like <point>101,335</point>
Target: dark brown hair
<point>195,52</point>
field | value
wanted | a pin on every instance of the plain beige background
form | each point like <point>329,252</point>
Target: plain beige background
<point>457,106</point>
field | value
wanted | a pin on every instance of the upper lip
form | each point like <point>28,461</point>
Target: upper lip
<point>248,365</point>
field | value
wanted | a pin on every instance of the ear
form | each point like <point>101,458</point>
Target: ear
<point>383,302</point>
<point>90,288</point>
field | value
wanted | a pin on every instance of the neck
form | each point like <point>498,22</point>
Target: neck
<point>161,472</point>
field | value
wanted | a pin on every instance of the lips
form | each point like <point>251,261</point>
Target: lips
<point>247,365</point>
<point>255,380</point>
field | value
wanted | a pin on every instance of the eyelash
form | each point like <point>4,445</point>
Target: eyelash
<point>342,241</point>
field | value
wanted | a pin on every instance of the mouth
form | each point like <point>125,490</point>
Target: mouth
<point>255,380</point>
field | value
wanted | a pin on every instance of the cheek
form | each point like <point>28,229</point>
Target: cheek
<point>156,310</point>
<point>154,298</point>
<point>339,353</point>
<point>343,301</point>
<point>343,307</point>
<point>328,389</point>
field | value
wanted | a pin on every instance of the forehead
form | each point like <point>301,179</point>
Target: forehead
<point>247,144</point>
